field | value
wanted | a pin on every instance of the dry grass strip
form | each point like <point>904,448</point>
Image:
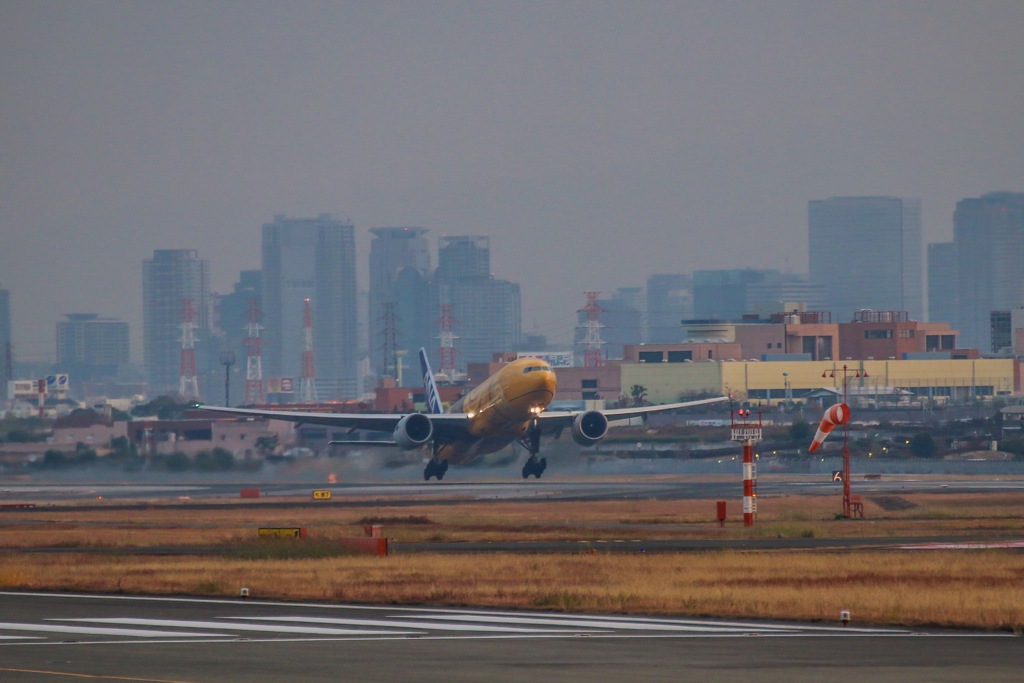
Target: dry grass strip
<point>978,589</point>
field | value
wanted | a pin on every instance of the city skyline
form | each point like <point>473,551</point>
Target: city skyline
<point>797,292</point>
<point>594,143</point>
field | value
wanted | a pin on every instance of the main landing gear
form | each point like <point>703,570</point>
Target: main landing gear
<point>435,468</point>
<point>531,442</point>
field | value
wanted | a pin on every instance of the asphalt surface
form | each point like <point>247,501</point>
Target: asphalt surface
<point>208,494</point>
<point>53,637</point>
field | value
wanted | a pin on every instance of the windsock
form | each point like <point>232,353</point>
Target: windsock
<point>836,415</point>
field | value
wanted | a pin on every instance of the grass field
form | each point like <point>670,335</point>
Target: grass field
<point>978,589</point>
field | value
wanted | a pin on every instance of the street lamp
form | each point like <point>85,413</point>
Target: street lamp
<point>227,359</point>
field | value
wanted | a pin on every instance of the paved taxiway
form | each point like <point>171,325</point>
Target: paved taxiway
<point>52,637</point>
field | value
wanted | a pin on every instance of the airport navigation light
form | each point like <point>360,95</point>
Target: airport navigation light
<point>747,431</point>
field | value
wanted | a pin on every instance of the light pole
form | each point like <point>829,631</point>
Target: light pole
<point>227,359</point>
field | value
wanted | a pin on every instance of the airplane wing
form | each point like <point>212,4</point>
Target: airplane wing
<point>560,419</point>
<point>446,425</point>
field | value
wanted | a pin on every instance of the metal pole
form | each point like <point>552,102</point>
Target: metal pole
<point>749,506</point>
<point>227,359</point>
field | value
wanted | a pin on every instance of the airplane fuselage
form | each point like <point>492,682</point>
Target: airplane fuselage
<point>501,409</point>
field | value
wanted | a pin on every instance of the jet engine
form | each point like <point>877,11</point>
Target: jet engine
<point>590,427</point>
<point>413,430</point>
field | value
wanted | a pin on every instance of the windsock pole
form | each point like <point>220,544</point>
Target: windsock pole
<point>836,415</point>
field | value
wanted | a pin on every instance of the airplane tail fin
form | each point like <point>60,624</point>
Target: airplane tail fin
<point>434,405</point>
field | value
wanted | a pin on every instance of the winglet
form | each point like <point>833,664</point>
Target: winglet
<point>430,386</point>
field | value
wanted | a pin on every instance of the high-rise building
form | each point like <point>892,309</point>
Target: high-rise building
<point>90,347</point>
<point>399,312</point>
<point>782,292</point>
<point>488,311</point>
<point>6,345</point>
<point>865,253</point>
<point>168,279</point>
<point>311,258</point>
<point>722,294</point>
<point>462,257</point>
<point>231,323</point>
<point>942,282</point>
<point>988,233</point>
<point>669,300</point>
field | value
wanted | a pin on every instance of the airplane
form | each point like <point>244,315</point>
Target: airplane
<point>509,406</point>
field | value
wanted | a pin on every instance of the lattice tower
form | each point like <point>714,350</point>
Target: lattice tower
<point>388,321</point>
<point>448,351</point>
<point>592,343</point>
<point>253,357</point>
<point>307,388</point>
<point>188,381</point>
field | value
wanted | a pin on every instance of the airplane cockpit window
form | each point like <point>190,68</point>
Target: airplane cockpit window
<point>535,368</point>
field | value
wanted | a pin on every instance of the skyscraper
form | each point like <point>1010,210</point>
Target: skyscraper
<point>669,300</point>
<point>400,313</point>
<point>942,283</point>
<point>865,253</point>
<point>488,311</point>
<point>231,322</point>
<point>6,346</point>
<point>722,294</point>
<point>988,234</point>
<point>90,347</point>
<point>168,279</point>
<point>311,258</point>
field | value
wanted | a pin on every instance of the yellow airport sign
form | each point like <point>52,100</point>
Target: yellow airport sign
<point>282,532</point>
<point>323,494</point>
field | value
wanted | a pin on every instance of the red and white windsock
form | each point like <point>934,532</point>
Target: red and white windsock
<point>836,415</point>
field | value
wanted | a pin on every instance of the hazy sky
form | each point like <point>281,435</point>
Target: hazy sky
<point>595,142</point>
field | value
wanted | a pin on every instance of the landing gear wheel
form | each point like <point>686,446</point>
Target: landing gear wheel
<point>435,468</point>
<point>535,467</point>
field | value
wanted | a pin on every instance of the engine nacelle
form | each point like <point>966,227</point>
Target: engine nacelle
<point>413,430</point>
<point>590,427</point>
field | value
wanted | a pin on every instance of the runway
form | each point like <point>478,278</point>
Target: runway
<point>461,488</point>
<point>63,637</point>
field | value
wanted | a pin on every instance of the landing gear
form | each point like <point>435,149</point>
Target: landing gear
<point>534,466</point>
<point>435,468</point>
<point>531,442</point>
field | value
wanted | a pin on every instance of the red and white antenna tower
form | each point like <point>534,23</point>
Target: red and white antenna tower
<point>188,381</point>
<point>253,357</point>
<point>448,337</point>
<point>388,321</point>
<point>592,357</point>
<point>307,388</point>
